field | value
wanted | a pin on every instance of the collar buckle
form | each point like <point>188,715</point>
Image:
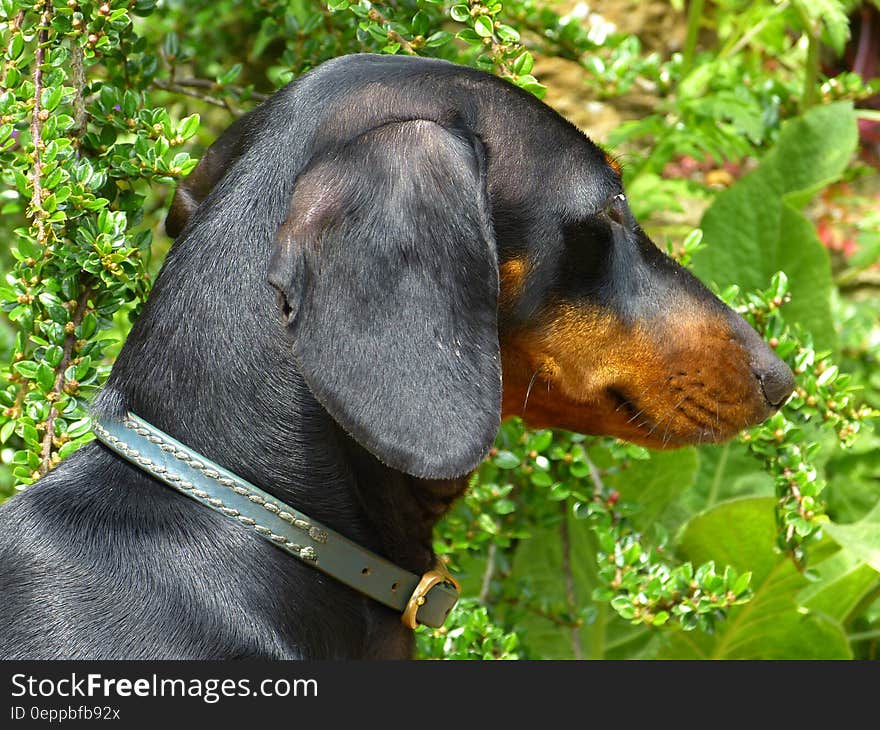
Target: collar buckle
<point>437,604</point>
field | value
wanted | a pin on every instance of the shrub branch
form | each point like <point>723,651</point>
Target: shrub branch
<point>38,116</point>
<point>58,387</point>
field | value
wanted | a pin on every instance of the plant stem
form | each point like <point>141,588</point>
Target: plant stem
<point>207,98</point>
<point>717,476</point>
<point>570,596</point>
<point>39,213</point>
<point>213,85</point>
<point>864,635</point>
<point>811,71</point>
<point>597,646</point>
<point>58,386</point>
<point>813,29</point>
<point>694,16</point>
<point>78,78</point>
<point>486,585</point>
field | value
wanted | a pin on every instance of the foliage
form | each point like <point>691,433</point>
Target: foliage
<point>77,147</point>
<point>567,546</point>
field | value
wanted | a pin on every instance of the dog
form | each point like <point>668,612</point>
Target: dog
<point>371,270</point>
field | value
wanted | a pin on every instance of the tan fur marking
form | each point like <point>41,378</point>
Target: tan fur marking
<point>511,278</point>
<point>684,378</point>
<point>614,163</point>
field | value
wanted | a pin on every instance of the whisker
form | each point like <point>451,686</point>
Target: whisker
<point>529,391</point>
<point>669,414</point>
<point>666,430</point>
<point>636,415</point>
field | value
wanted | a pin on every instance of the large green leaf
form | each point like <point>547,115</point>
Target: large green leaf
<point>861,538</point>
<point>755,228</point>
<point>727,471</point>
<point>854,479</point>
<point>653,484</point>
<point>843,582</point>
<point>539,564</point>
<point>773,625</point>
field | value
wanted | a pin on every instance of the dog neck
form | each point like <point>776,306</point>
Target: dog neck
<point>229,389</point>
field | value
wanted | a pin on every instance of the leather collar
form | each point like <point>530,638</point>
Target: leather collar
<point>426,599</point>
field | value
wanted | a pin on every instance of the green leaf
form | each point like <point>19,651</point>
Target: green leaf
<point>773,624</point>
<point>421,22</point>
<point>538,563</point>
<point>832,14</point>
<point>539,441</point>
<point>655,483</point>
<point>52,97</point>
<point>53,355</point>
<point>79,428</point>
<point>524,63</point>
<point>27,368</point>
<point>468,35</point>
<point>29,434</point>
<point>88,326</point>
<point>230,75</point>
<point>6,431</point>
<point>45,377</point>
<point>541,479</point>
<point>508,34</point>
<point>483,27</point>
<point>843,581</point>
<point>579,469</point>
<point>172,46</point>
<point>506,460</point>
<point>440,38</point>
<point>460,13</point>
<point>862,538</point>
<point>726,471</point>
<point>755,228</point>
<point>16,46</point>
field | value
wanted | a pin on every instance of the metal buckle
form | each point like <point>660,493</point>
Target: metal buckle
<point>438,574</point>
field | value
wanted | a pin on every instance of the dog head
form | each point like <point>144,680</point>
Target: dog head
<point>454,252</point>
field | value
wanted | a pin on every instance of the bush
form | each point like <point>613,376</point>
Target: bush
<point>567,546</point>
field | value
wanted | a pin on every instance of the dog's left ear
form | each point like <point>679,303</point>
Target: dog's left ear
<point>388,277</point>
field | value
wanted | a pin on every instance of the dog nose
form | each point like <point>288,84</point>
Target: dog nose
<point>775,377</point>
<point>777,381</point>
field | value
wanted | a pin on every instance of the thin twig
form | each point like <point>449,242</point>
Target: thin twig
<point>393,35</point>
<point>214,86</point>
<point>486,585</point>
<point>570,596</point>
<point>58,386</point>
<point>37,118</point>
<point>858,279</point>
<point>598,486</point>
<point>539,611</point>
<point>78,78</point>
<point>187,91</point>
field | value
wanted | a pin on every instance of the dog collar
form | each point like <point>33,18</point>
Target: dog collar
<point>425,599</point>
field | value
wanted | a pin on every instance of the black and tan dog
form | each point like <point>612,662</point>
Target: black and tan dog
<point>372,270</point>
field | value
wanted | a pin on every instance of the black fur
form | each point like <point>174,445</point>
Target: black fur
<point>363,401</point>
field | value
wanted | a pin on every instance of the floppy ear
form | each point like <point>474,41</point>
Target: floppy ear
<point>389,275</point>
<point>196,186</point>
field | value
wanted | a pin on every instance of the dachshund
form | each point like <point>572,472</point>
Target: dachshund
<point>371,271</point>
